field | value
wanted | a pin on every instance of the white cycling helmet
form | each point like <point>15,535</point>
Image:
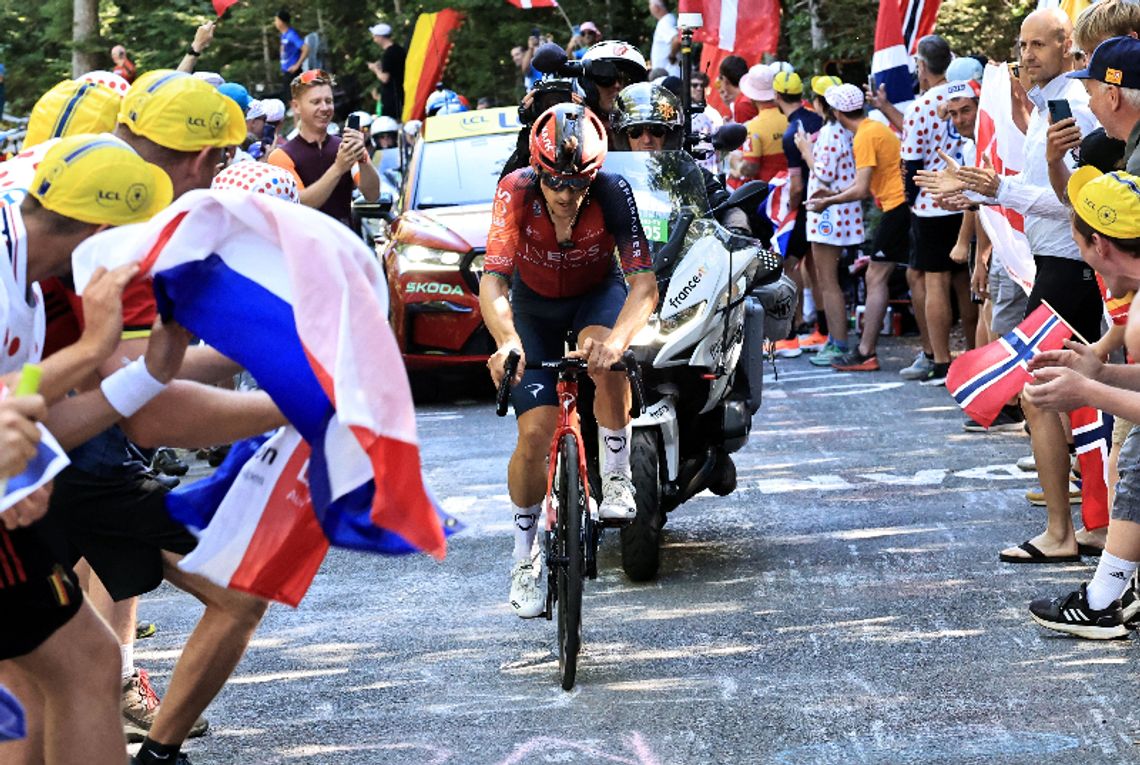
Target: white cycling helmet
<point>274,109</point>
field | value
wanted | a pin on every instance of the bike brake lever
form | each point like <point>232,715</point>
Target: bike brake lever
<point>633,372</point>
<point>502,397</point>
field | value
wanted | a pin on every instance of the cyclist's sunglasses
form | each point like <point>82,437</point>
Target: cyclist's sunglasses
<point>635,132</point>
<point>559,182</point>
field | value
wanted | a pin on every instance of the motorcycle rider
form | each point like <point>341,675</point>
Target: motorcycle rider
<point>550,269</point>
<point>602,90</point>
<point>648,117</point>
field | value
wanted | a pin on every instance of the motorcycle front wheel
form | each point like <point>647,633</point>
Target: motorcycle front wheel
<point>641,539</point>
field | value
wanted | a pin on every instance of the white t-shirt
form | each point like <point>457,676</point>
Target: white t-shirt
<point>22,320</point>
<point>924,133</point>
<point>663,37</point>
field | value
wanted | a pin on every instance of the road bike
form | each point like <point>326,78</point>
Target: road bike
<point>572,525</point>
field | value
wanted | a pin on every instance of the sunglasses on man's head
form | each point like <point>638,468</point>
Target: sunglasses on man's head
<point>318,76</point>
<point>635,132</point>
<point>559,182</point>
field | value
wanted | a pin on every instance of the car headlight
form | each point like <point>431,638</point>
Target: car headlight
<point>416,257</point>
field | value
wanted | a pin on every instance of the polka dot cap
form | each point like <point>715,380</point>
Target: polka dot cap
<point>110,79</point>
<point>259,178</point>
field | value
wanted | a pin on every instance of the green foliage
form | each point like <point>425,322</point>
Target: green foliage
<point>988,27</point>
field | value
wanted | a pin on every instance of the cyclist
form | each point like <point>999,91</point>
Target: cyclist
<point>550,269</point>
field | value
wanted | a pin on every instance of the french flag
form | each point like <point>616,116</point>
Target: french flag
<point>299,301</point>
<point>779,211</point>
<point>983,380</point>
<point>1092,436</point>
<point>44,466</point>
<point>891,63</point>
<point>1003,145</point>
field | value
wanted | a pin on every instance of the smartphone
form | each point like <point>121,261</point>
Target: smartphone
<point>871,85</point>
<point>353,122</point>
<point>1059,109</point>
<point>1015,69</point>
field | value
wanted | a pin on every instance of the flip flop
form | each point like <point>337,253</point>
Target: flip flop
<point>1089,551</point>
<point>1036,556</point>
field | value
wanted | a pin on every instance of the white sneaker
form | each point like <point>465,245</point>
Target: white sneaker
<point>526,599</point>
<point>617,498</point>
<point>919,369</point>
<point>1027,463</point>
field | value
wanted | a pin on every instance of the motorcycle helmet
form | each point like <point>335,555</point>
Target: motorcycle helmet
<point>568,139</point>
<point>444,101</point>
<point>629,63</point>
<point>647,104</point>
<point>385,124</point>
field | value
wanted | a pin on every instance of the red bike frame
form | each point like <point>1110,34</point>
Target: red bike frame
<point>567,423</point>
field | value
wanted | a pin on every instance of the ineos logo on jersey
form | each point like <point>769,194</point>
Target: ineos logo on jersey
<point>678,300</point>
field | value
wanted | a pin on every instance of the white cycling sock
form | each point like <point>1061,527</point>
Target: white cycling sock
<point>127,654</point>
<point>615,450</point>
<point>1110,580</point>
<point>809,306</point>
<point>526,527</point>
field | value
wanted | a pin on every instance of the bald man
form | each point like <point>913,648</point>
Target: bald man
<point>1063,279</point>
<point>124,67</point>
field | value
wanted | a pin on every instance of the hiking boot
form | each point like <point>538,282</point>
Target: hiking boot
<point>918,369</point>
<point>526,599</point>
<point>787,349</point>
<point>1072,615</point>
<point>1037,496</point>
<point>936,376</point>
<point>139,706</point>
<point>1009,419</point>
<point>167,461</point>
<point>812,342</point>
<point>618,503</point>
<point>855,361</point>
<point>827,354</point>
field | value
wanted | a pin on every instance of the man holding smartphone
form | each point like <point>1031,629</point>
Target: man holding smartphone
<point>323,163</point>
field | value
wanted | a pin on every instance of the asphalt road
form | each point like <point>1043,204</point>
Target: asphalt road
<point>845,605</point>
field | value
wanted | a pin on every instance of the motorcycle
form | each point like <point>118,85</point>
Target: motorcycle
<point>722,294</point>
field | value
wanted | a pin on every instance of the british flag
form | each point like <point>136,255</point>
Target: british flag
<point>983,380</point>
<point>1092,436</point>
<point>779,210</point>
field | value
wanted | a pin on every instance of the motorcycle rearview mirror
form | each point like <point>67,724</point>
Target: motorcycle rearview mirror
<point>378,209</point>
<point>729,136</point>
<point>666,257</point>
<point>746,193</point>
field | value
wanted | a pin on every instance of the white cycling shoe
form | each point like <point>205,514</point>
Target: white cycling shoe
<point>526,597</point>
<point>617,498</point>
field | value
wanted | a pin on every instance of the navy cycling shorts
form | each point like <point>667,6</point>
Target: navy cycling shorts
<point>543,323</point>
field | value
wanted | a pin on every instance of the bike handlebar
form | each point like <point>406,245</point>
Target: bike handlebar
<point>628,364</point>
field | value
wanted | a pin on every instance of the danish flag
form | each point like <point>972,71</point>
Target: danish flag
<point>1092,435</point>
<point>983,380</point>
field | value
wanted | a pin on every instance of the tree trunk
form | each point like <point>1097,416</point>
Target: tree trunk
<point>818,38</point>
<point>84,24</point>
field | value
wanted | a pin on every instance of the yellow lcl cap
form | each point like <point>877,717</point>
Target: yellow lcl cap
<point>70,108</point>
<point>180,112</point>
<point>99,179</point>
<point>1109,202</point>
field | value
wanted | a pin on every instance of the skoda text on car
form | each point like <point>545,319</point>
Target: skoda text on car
<point>433,253</point>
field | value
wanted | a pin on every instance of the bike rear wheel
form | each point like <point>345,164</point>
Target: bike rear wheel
<point>569,545</point>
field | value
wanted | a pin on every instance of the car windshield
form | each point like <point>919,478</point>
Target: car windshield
<point>664,183</point>
<point>464,171</point>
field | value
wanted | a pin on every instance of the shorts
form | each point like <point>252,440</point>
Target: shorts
<point>1009,300</point>
<point>892,239</point>
<point>38,592</point>
<point>120,526</point>
<point>543,323</point>
<point>1126,504</point>
<point>934,238</point>
<point>1070,287</point>
<point>798,246</point>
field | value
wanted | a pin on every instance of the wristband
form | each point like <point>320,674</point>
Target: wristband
<point>191,52</point>
<point>131,388</point>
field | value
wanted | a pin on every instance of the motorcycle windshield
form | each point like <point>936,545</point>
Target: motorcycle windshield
<point>665,184</point>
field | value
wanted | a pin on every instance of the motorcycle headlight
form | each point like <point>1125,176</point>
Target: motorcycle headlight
<point>415,257</point>
<point>680,319</point>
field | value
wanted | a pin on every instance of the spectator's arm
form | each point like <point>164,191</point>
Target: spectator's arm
<point>860,189</point>
<point>795,188</point>
<point>202,39</point>
<point>369,180</point>
<point>1013,192</point>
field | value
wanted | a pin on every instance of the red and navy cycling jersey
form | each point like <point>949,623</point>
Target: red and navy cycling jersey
<point>522,236</point>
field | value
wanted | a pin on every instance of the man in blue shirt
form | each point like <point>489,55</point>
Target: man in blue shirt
<point>293,47</point>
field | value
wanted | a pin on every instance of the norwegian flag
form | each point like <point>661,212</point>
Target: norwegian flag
<point>983,380</point>
<point>779,210</point>
<point>891,63</point>
<point>1092,435</point>
<point>918,17</point>
<point>525,4</point>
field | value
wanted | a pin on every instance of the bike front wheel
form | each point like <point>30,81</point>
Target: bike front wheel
<point>569,545</point>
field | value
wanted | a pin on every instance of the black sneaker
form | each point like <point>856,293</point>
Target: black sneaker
<point>1009,419</point>
<point>936,376</point>
<point>1130,603</point>
<point>1071,614</point>
<point>167,461</point>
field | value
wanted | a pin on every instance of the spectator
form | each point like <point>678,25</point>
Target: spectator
<point>523,56</point>
<point>1112,80</point>
<point>293,48</point>
<point>322,163</point>
<point>203,36</point>
<point>588,34</point>
<point>706,119</point>
<point>390,71</point>
<point>663,53</point>
<point>740,107</point>
<point>764,156</point>
<point>1063,279</point>
<point>124,67</point>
